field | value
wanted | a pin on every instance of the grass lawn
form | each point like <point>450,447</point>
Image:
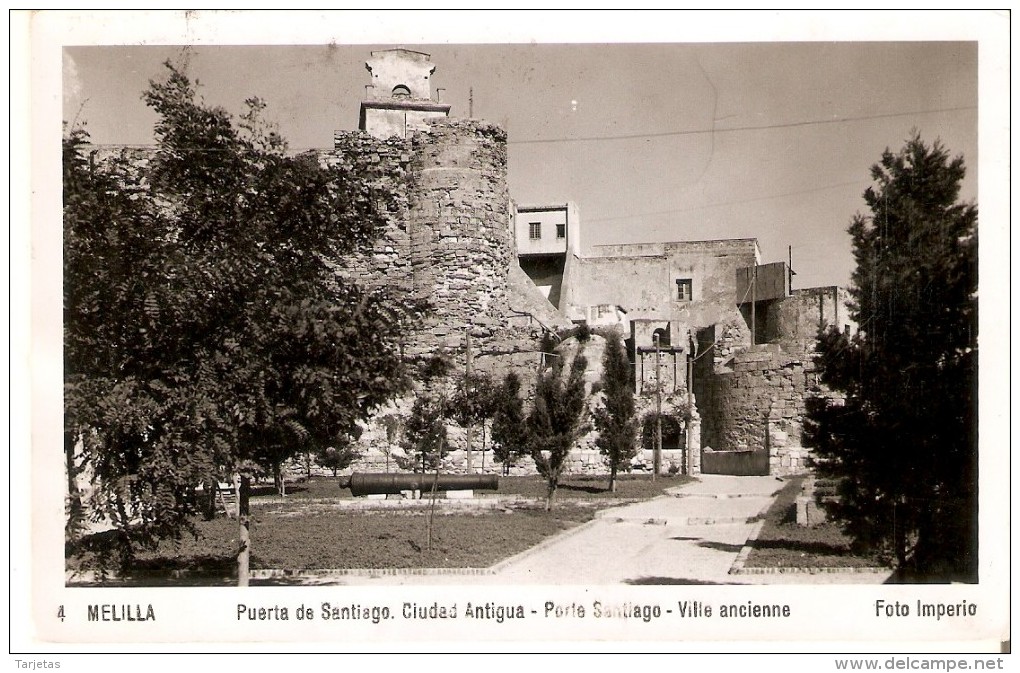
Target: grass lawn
<point>297,533</point>
<point>375,539</point>
<point>783,543</point>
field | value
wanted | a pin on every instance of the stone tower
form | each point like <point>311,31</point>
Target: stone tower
<point>400,96</point>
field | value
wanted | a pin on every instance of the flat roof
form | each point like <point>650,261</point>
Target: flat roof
<point>535,209</point>
<point>428,57</point>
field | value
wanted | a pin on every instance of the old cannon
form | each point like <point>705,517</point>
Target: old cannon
<point>366,483</point>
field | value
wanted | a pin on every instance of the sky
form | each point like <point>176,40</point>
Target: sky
<point>660,141</point>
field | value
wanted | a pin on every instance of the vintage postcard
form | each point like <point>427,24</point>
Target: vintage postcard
<point>387,331</point>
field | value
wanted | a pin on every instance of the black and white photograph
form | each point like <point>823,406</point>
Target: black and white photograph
<point>499,336</point>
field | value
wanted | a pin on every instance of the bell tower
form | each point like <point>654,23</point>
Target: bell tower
<point>400,95</point>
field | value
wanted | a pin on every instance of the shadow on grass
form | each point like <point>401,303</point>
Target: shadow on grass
<point>583,489</point>
<point>294,582</point>
<point>787,517</point>
<point>207,565</point>
<point>190,571</point>
<point>907,576</point>
<point>156,582</point>
<point>651,580</point>
<point>804,547</point>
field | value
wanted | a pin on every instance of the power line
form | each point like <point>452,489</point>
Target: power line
<point>694,132</point>
<point>706,351</point>
<point>663,134</point>
<point>726,203</point>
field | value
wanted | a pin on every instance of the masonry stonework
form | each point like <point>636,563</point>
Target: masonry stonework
<point>447,242</point>
<point>447,239</point>
<point>386,166</point>
<point>460,239</point>
<point>760,402</point>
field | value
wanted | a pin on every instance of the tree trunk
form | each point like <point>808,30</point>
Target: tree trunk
<point>210,487</point>
<point>469,432</point>
<point>242,489</point>
<point>432,512</point>
<point>75,513</point>
<point>278,481</point>
<point>900,536</point>
<point>612,479</point>
<point>549,498</point>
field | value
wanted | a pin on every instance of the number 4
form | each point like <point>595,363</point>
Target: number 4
<point>60,613</point>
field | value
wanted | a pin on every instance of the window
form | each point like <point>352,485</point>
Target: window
<point>401,91</point>
<point>561,230</point>
<point>684,289</point>
<point>535,230</point>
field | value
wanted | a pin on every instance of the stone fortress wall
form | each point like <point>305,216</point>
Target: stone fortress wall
<point>446,240</point>
<point>754,396</point>
<point>449,240</point>
<point>749,396</point>
<point>759,401</point>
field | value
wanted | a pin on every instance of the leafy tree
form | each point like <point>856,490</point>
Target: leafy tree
<point>205,330</point>
<point>903,444</point>
<point>473,403</point>
<point>338,457</point>
<point>509,427</point>
<point>614,419</point>
<point>556,420</point>
<point>425,443</point>
<point>425,437</point>
<point>394,425</point>
<point>674,422</point>
<point>676,414</point>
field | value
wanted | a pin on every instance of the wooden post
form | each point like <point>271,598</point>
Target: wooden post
<point>435,481</point>
<point>690,413</point>
<point>754,290</point>
<point>483,445</point>
<point>467,391</point>
<point>657,451</point>
<point>790,270</point>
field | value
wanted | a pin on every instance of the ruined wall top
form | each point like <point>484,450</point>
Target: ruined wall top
<point>725,246</point>
<point>401,74</point>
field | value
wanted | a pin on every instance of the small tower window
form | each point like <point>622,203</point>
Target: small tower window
<point>561,230</point>
<point>684,289</point>
<point>401,91</point>
<point>535,230</point>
